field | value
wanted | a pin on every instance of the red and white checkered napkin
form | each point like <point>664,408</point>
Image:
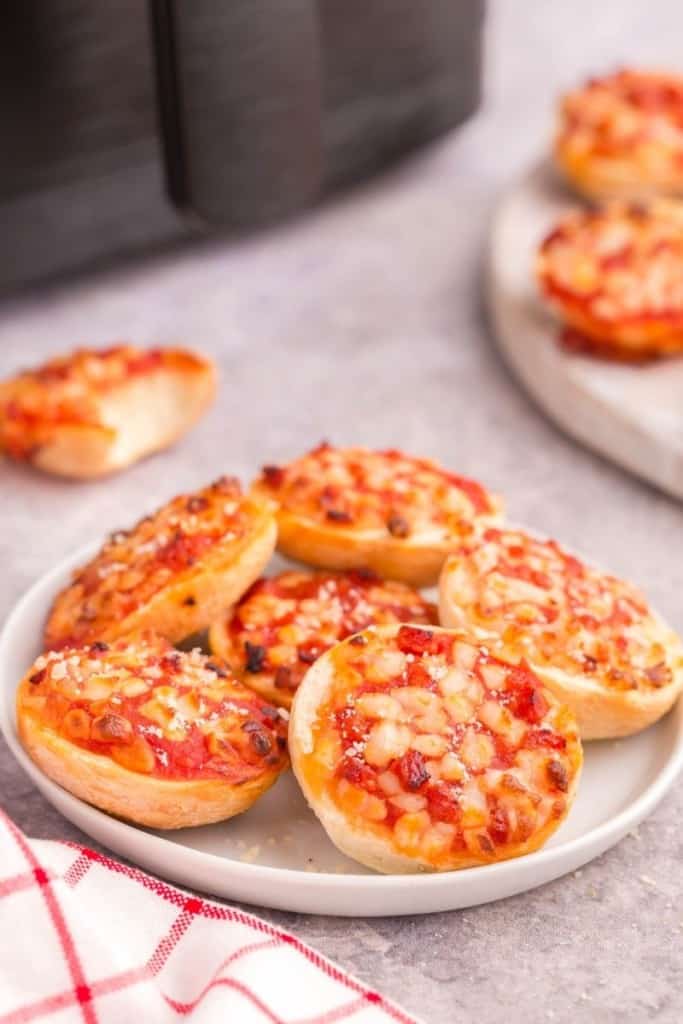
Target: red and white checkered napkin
<point>85,939</point>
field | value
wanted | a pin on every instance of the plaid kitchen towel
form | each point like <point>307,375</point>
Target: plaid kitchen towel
<point>86,939</point>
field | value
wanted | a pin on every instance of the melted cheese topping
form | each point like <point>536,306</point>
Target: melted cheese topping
<point>389,492</point>
<point>550,608</point>
<point>135,565</point>
<point>620,265</point>
<point>283,624</point>
<point>440,748</point>
<point>156,711</point>
<point>632,117</point>
<point>66,391</point>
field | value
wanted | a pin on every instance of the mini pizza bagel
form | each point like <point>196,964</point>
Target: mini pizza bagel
<point>349,508</point>
<point>616,277</point>
<point>174,572</point>
<point>589,637</point>
<point>621,136</point>
<point>283,624</point>
<point>153,735</point>
<point>418,750</point>
<point>98,410</point>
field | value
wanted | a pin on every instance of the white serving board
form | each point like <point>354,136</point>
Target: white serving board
<point>633,414</point>
<point>277,855</point>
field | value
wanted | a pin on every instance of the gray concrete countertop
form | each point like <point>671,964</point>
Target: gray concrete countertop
<point>362,322</point>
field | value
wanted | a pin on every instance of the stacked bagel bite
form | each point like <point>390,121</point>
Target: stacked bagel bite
<point>114,713</point>
<point>613,272</point>
<point>424,737</point>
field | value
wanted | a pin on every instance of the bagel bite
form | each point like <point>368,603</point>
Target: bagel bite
<point>156,736</point>
<point>615,276</point>
<point>350,508</point>
<point>96,411</point>
<point>284,623</point>
<point>589,637</point>
<point>419,750</point>
<point>621,136</point>
<point>174,572</point>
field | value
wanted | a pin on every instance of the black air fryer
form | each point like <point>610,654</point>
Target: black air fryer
<point>263,107</point>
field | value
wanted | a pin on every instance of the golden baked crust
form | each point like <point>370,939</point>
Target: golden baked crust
<point>160,737</point>
<point>590,637</point>
<point>616,276</point>
<point>284,623</point>
<point>419,750</point>
<point>174,572</point>
<point>97,410</point>
<point>348,508</point>
<point>621,136</point>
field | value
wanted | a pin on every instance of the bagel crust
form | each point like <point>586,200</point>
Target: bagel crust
<point>349,508</point>
<point>615,276</point>
<point>621,136</point>
<point>420,751</point>
<point>154,735</point>
<point>98,410</point>
<point>174,572</point>
<point>591,638</point>
<point>284,623</point>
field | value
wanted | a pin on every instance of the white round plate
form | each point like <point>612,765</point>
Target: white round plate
<point>633,414</point>
<point>277,855</point>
